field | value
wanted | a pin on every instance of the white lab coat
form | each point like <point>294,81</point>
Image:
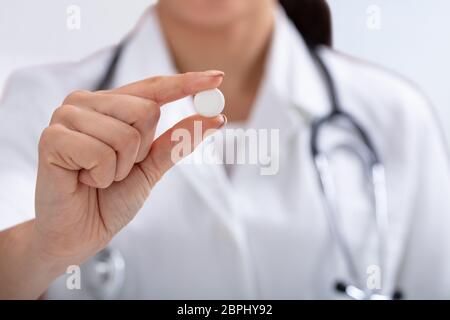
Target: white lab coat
<point>202,234</point>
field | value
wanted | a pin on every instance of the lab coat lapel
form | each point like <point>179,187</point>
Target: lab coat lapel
<point>292,83</point>
<point>291,94</point>
<point>145,53</point>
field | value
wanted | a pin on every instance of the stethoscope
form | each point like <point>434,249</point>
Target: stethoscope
<point>374,171</point>
<point>106,271</point>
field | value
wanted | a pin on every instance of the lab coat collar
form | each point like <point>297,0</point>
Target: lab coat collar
<point>146,53</point>
<point>292,81</point>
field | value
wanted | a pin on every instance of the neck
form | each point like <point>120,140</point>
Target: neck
<point>238,49</point>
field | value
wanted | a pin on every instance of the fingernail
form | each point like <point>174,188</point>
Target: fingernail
<point>224,121</point>
<point>214,73</point>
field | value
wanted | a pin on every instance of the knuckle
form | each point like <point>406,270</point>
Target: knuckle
<point>63,113</point>
<point>134,136</point>
<point>105,170</point>
<point>48,140</point>
<point>75,96</point>
<point>155,116</point>
<point>106,156</point>
<point>48,134</point>
<point>44,140</point>
<point>151,113</point>
<point>130,139</point>
<point>155,80</point>
<point>150,106</point>
<point>102,179</point>
<point>143,109</point>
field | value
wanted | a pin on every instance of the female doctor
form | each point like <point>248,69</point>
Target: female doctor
<point>108,193</point>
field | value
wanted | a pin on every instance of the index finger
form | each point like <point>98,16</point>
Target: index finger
<point>165,89</point>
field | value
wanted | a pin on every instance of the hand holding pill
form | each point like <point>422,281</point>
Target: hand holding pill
<point>95,151</point>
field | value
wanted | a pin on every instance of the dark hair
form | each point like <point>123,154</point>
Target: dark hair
<point>312,19</point>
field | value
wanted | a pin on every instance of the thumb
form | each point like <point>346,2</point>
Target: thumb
<point>177,143</point>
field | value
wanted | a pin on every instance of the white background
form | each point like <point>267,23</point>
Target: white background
<point>414,38</point>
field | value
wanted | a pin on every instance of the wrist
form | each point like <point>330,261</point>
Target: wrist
<point>50,265</point>
<point>42,269</point>
<point>24,273</point>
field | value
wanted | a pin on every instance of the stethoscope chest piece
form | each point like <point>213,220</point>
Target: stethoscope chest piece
<point>104,274</point>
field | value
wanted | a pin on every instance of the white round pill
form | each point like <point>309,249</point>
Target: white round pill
<point>209,103</point>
